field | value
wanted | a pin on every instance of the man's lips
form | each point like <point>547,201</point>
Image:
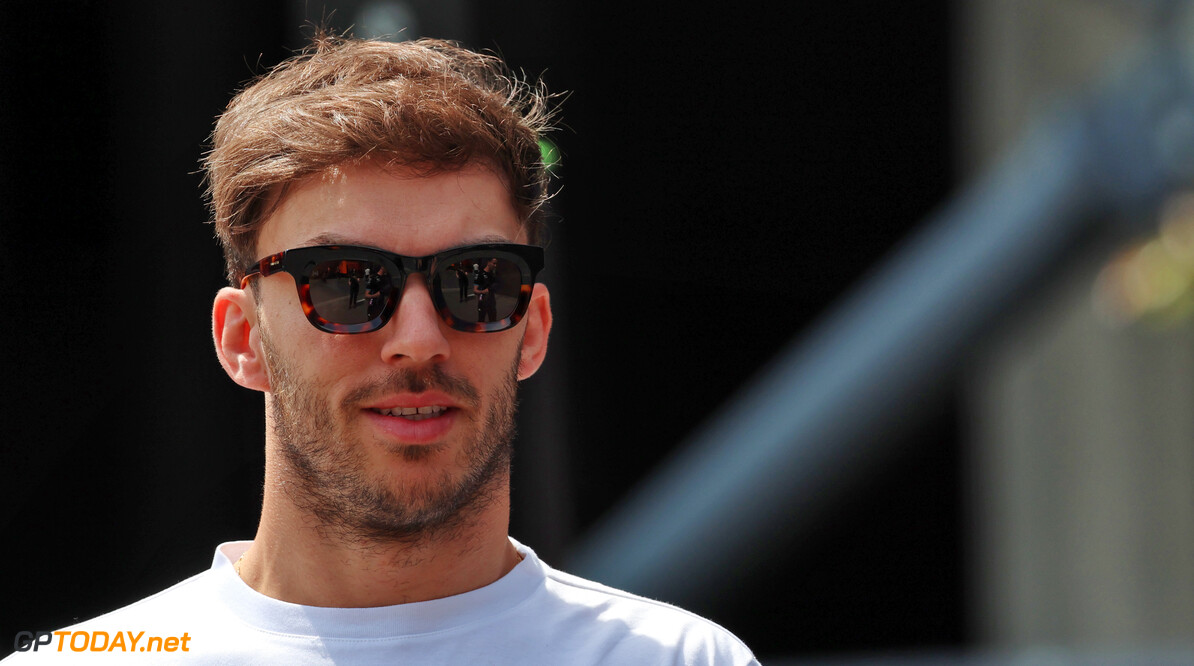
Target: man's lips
<point>414,418</point>
<point>415,429</point>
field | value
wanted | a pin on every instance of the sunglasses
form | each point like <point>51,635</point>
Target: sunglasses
<point>346,289</point>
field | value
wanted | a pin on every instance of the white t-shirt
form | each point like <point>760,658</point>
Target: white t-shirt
<point>532,615</point>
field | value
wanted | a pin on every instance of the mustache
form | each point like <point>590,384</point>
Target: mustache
<point>412,381</point>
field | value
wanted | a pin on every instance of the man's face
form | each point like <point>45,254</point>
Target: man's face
<point>335,402</point>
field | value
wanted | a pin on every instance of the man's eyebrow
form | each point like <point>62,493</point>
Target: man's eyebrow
<point>329,239</point>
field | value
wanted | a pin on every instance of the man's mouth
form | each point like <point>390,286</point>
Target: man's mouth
<point>413,413</point>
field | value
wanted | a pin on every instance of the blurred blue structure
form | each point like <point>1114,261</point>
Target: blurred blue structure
<point>792,440</point>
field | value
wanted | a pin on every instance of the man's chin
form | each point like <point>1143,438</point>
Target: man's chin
<point>423,509</point>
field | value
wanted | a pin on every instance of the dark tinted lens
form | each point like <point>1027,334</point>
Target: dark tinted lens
<point>481,288</point>
<point>351,291</point>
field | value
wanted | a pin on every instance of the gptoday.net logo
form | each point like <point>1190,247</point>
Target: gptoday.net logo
<point>99,641</point>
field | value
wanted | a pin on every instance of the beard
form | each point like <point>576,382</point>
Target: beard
<point>328,473</point>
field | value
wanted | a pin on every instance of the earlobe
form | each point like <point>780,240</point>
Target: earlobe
<point>238,345</point>
<point>538,327</point>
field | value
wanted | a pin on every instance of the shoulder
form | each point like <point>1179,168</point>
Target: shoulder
<point>183,598</point>
<point>644,627</point>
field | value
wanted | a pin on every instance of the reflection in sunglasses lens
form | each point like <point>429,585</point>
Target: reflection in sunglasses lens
<point>349,291</point>
<point>480,288</point>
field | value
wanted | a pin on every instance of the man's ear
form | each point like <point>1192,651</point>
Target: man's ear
<point>238,343</point>
<point>534,338</point>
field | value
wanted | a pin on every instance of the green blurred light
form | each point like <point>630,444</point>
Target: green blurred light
<point>550,155</point>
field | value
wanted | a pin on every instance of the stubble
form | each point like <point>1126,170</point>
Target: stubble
<point>327,472</point>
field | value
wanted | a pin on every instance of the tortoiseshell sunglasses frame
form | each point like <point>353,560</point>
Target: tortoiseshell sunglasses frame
<point>300,262</point>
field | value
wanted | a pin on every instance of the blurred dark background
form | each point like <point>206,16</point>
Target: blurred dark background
<point>730,170</point>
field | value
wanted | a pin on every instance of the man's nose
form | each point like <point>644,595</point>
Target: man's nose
<point>415,333</point>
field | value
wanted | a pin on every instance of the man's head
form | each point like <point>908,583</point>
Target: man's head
<point>400,428</point>
<point>427,105</point>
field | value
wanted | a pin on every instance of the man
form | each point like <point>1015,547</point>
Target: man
<point>383,535</point>
<point>354,288</point>
<point>461,283</point>
<point>486,288</point>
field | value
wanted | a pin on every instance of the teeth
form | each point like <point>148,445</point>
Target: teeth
<point>414,413</point>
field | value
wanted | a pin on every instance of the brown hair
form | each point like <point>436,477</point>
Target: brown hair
<point>427,104</point>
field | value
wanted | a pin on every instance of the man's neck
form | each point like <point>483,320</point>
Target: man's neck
<point>293,559</point>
